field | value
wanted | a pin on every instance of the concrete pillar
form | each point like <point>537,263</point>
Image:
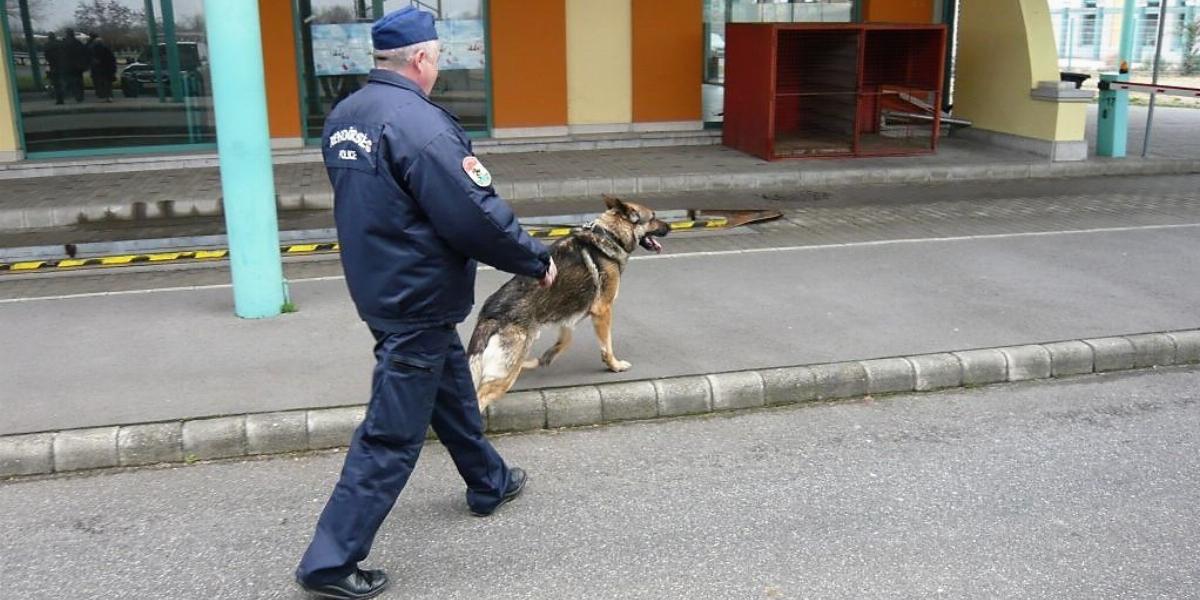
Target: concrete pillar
<point>1007,80</point>
<point>244,153</point>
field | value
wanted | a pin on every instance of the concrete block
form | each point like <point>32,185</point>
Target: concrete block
<point>77,449</point>
<point>517,411</point>
<point>574,187</point>
<point>1027,362</point>
<point>332,427</point>
<point>649,184</point>
<point>573,406</point>
<point>1069,358</point>
<point>744,181</point>
<point>731,391</point>
<point>701,181</point>
<point>11,219</point>
<point>683,396</point>
<point>222,437</point>
<point>1152,350</point>
<point>149,444</point>
<point>31,454</point>
<point>504,190</point>
<point>1187,347</point>
<point>673,183</point>
<point>550,189</point>
<point>629,400</point>
<point>39,218</point>
<point>789,385</point>
<point>936,371</point>
<point>840,380</point>
<point>625,185</point>
<point>277,432</point>
<point>982,367</point>
<point>524,190</point>
<point>889,375</point>
<point>1112,354</point>
<point>599,185</point>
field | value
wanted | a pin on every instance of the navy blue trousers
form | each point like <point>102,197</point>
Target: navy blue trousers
<point>421,378</point>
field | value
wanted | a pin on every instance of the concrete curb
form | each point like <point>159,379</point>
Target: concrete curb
<point>17,219</point>
<point>315,429</point>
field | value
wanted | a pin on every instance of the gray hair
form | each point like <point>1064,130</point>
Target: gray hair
<point>398,58</point>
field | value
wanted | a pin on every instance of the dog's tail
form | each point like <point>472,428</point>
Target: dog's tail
<point>484,330</point>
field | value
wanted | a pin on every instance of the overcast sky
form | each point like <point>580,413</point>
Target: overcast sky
<point>60,13</point>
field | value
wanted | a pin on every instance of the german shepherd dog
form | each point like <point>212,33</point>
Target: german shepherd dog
<point>590,261</point>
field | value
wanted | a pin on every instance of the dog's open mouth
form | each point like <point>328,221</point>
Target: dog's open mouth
<point>648,242</point>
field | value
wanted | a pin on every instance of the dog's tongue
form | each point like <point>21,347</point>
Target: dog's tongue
<point>653,244</point>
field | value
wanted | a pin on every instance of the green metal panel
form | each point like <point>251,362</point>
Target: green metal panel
<point>298,39</point>
<point>152,32</point>
<point>486,16</point>
<point>168,12</point>
<point>35,64</point>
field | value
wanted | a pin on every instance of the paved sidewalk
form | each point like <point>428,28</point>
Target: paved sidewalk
<point>64,201</point>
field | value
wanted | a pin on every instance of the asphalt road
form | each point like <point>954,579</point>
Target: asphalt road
<point>1083,488</point>
<point>923,270</point>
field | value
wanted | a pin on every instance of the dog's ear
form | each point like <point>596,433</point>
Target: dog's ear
<point>614,203</point>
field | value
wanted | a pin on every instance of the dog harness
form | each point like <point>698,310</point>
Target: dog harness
<point>606,243</point>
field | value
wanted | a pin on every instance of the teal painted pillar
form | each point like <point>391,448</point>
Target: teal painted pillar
<point>244,152</point>
<point>1125,50</point>
<point>1112,125</point>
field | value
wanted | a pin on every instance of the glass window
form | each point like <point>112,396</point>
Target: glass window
<point>110,74</point>
<point>1149,24</point>
<point>1087,30</point>
<point>462,85</point>
<point>321,89</point>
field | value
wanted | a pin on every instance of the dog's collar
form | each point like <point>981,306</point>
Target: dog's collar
<point>604,241</point>
<point>612,237</point>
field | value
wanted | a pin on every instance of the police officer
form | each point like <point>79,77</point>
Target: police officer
<point>414,210</point>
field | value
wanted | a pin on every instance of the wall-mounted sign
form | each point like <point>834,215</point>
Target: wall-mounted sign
<point>342,49</point>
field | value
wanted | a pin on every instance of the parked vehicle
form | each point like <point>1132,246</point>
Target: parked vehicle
<point>137,78</point>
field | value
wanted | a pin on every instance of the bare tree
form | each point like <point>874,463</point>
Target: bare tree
<point>37,11</point>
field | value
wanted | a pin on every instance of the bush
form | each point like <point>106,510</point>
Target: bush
<point>1191,48</point>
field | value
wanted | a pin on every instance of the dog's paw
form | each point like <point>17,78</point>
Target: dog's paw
<point>617,366</point>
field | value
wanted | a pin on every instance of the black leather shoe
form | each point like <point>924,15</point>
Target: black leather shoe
<point>355,586</point>
<point>516,486</point>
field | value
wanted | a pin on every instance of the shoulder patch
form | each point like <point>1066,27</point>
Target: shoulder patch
<point>476,171</point>
<point>350,146</point>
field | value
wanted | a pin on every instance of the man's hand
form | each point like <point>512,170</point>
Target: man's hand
<point>548,279</point>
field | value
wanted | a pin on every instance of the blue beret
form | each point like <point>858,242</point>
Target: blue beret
<point>403,27</point>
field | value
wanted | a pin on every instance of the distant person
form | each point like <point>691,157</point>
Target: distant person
<point>56,58</point>
<point>77,63</point>
<point>104,68</point>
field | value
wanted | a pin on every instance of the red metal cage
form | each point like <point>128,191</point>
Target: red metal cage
<point>833,90</point>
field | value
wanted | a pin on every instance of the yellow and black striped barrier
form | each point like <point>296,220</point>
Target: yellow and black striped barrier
<point>125,260</point>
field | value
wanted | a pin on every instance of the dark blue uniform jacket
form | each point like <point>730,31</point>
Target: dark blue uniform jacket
<point>414,210</point>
